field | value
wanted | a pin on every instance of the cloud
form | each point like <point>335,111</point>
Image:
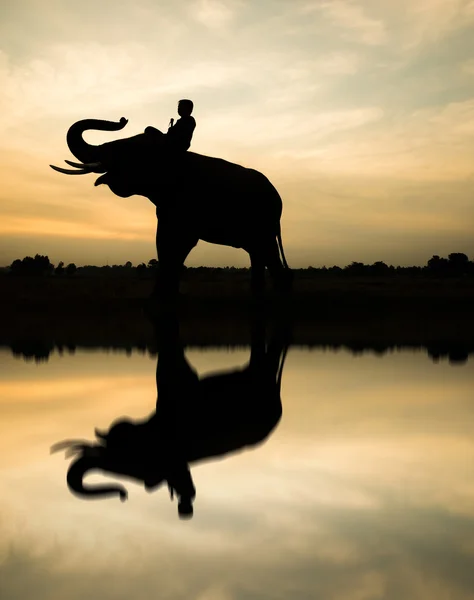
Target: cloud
<point>352,20</point>
<point>96,79</point>
<point>468,66</point>
<point>51,227</point>
<point>430,144</point>
<point>338,63</point>
<point>215,14</point>
<point>431,20</point>
<point>290,130</point>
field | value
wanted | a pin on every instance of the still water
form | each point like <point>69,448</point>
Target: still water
<point>363,490</point>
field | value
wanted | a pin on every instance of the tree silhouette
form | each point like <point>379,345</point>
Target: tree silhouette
<point>71,269</point>
<point>355,268</point>
<point>458,258</point>
<point>437,265</point>
<point>16,267</point>
<point>59,270</point>
<point>458,263</point>
<point>141,269</point>
<point>379,268</point>
<point>39,266</point>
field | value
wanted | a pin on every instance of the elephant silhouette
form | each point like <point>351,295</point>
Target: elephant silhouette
<point>196,197</point>
<point>196,419</point>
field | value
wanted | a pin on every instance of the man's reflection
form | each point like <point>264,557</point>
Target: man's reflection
<point>195,419</point>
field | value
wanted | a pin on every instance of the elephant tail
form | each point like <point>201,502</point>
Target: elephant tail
<point>280,247</point>
<point>280,368</point>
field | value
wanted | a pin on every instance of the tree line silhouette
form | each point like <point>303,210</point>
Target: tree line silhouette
<point>456,264</point>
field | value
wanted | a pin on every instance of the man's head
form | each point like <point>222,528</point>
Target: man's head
<point>185,108</point>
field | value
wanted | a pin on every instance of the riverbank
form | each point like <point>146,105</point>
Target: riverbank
<point>378,314</point>
<point>93,295</point>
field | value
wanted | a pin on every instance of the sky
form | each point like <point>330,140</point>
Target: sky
<point>360,112</point>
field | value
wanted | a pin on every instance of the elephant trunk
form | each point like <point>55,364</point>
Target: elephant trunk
<point>87,153</point>
<point>77,472</point>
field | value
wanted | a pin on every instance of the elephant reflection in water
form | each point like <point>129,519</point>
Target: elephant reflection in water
<point>195,419</point>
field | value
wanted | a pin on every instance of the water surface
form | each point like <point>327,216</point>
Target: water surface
<point>364,490</point>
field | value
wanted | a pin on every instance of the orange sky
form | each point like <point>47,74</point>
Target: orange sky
<point>360,112</point>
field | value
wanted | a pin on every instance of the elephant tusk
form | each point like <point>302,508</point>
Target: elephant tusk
<point>70,171</point>
<point>74,164</point>
<point>91,166</point>
<point>67,444</point>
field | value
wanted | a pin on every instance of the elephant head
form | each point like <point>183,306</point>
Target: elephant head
<point>89,457</point>
<point>124,164</point>
<point>125,451</point>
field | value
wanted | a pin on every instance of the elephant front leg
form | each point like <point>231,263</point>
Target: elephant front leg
<point>172,249</point>
<point>257,273</point>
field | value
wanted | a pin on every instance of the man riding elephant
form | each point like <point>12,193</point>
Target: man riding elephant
<point>197,197</point>
<point>179,135</point>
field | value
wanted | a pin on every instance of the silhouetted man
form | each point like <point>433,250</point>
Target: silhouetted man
<point>180,133</point>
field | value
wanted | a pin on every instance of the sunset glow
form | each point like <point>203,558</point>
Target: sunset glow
<point>360,112</point>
